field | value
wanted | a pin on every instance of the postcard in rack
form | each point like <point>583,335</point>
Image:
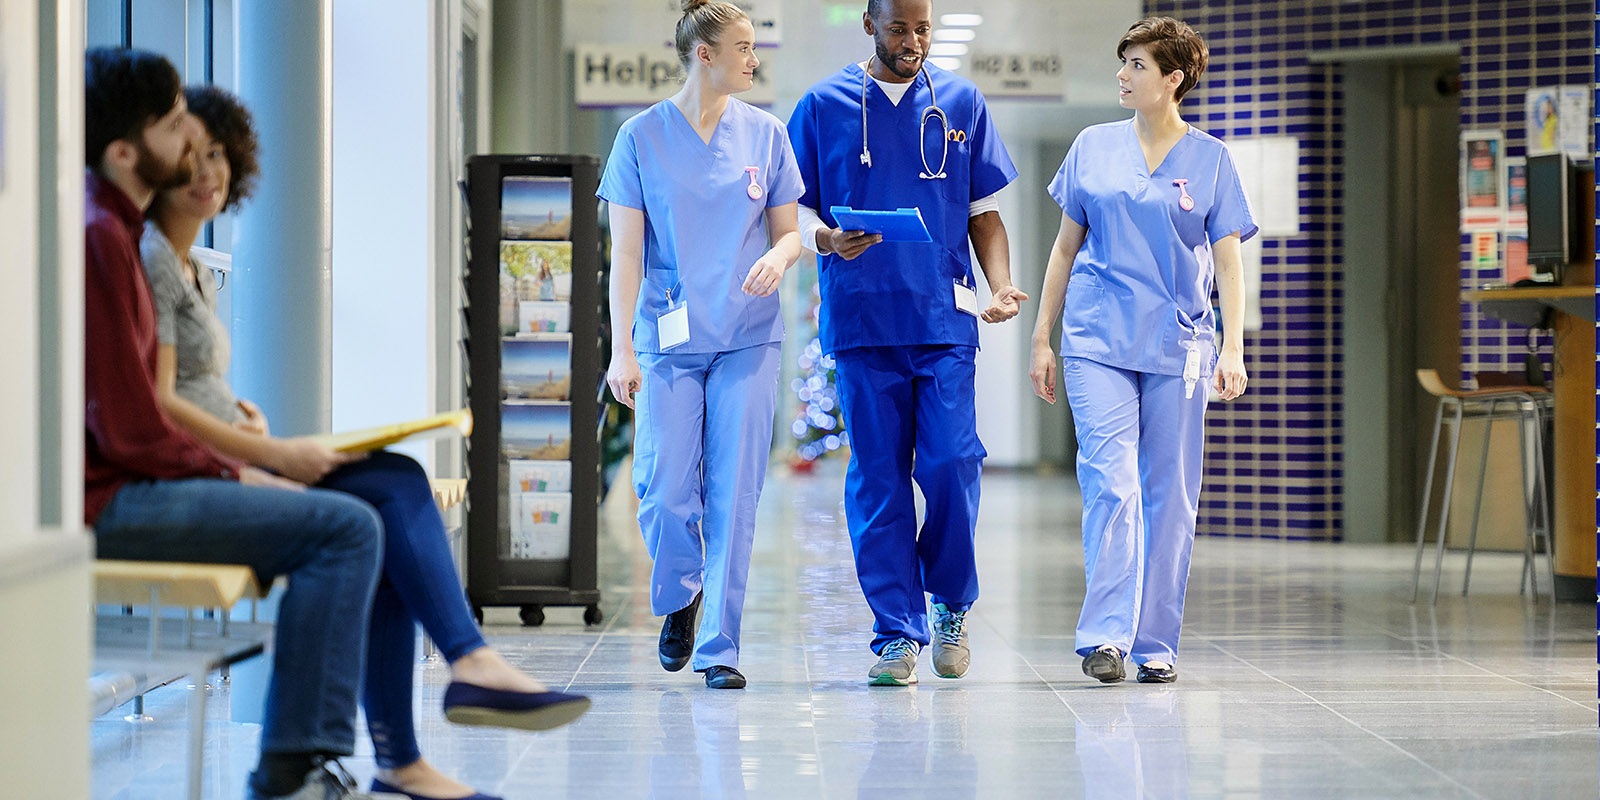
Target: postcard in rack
<point>538,316</point>
<point>535,207</point>
<point>540,476</point>
<point>536,270</point>
<point>536,431</point>
<point>536,369</point>
<point>542,526</point>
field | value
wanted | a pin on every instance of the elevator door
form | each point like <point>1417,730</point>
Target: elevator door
<point>1401,267</point>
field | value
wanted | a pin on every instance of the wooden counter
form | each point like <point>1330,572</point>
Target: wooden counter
<point>1573,363</point>
<point>1577,301</point>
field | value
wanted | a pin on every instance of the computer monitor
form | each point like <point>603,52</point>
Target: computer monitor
<point>1549,213</point>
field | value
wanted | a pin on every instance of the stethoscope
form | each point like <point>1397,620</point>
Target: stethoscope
<point>931,112</point>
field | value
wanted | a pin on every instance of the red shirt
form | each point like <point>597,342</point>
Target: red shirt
<point>128,436</point>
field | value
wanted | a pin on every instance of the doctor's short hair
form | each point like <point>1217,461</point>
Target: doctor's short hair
<point>1174,45</point>
<point>229,123</point>
<point>703,21</point>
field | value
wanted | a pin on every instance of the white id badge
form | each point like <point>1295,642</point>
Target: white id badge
<point>672,327</point>
<point>966,299</point>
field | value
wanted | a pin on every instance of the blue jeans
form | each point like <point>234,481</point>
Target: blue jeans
<point>419,584</point>
<point>329,545</point>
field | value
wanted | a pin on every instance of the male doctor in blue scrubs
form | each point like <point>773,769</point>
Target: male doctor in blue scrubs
<point>901,320</point>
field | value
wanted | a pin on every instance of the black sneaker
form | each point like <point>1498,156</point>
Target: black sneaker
<point>1104,664</point>
<point>720,677</point>
<point>677,636</point>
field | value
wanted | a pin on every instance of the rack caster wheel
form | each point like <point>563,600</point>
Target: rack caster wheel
<point>532,615</point>
<point>477,615</point>
<point>592,615</point>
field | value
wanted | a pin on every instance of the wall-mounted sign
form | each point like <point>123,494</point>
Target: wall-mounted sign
<point>1037,76</point>
<point>764,17</point>
<point>609,75</point>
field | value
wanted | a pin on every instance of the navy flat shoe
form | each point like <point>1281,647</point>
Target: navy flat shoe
<point>721,677</point>
<point>468,704</point>
<point>380,786</point>
<point>1149,674</point>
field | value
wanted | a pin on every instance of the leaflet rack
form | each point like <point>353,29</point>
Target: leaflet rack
<point>533,353</point>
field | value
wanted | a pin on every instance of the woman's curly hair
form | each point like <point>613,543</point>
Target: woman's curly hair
<point>228,122</point>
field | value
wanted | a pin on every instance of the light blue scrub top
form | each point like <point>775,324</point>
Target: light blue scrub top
<point>897,293</point>
<point>1140,289</point>
<point>703,232</point>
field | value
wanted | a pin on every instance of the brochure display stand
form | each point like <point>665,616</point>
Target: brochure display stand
<point>533,352</point>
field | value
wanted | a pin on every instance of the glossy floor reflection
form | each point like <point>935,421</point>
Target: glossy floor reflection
<point>1305,673</point>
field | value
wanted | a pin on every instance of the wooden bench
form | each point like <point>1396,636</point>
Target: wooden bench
<point>134,654</point>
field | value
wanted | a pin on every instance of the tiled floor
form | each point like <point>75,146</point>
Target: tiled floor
<point>1305,673</point>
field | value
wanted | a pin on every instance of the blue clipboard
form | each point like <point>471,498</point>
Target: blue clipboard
<point>900,225</point>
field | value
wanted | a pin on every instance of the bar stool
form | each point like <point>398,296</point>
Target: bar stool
<point>1526,405</point>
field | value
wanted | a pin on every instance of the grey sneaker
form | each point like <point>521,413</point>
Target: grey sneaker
<point>327,781</point>
<point>897,665</point>
<point>950,653</point>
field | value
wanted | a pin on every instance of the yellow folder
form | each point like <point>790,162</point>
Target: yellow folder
<point>360,441</point>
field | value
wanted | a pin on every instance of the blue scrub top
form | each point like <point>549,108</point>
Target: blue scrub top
<point>897,293</point>
<point>1140,289</point>
<point>703,231</point>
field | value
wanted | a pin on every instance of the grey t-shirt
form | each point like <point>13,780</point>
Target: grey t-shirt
<point>186,318</point>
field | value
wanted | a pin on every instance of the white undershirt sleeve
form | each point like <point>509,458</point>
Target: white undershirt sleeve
<point>983,205</point>
<point>810,223</point>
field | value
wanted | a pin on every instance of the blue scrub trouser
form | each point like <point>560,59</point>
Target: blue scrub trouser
<point>703,437</point>
<point>1139,448</point>
<point>911,415</point>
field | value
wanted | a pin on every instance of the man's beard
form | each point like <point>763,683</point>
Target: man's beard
<point>892,63</point>
<point>161,176</point>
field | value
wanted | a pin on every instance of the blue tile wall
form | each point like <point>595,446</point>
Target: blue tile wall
<point>1273,465</point>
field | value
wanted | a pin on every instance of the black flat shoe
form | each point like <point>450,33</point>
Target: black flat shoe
<point>1149,674</point>
<point>677,636</point>
<point>720,677</point>
<point>1104,665</point>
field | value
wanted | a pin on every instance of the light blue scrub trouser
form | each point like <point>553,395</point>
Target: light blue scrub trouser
<point>910,413</point>
<point>1139,448</point>
<point>703,437</point>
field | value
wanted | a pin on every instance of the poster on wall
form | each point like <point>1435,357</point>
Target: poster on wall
<point>1516,230</point>
<point>1485,253</point>
<point>1558,120</point>
<point>1516,193</point>
<point>1483,186</point>
<point>1576,118</point>
<point>1543,120</point>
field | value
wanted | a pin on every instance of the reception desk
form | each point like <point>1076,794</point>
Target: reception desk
<point>1575,457</point>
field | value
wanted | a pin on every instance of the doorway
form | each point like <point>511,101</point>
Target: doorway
<point>1401,267</point>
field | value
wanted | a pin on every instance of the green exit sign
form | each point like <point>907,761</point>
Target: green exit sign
<point>842,14</point>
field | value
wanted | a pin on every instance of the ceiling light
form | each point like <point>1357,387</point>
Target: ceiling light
<point>961,20</point>
<point>947,49</point>
<point>954,35</point>
<point>945,62</point>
